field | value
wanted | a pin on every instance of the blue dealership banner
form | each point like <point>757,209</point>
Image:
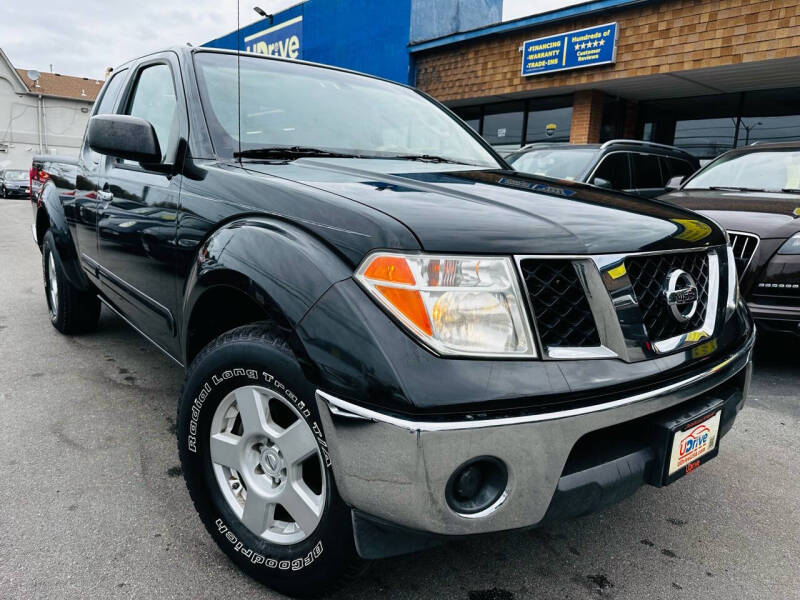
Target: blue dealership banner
<point>284,40</point>
<point>574,50</point>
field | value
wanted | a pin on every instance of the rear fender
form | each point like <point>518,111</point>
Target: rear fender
<point>50,216</point>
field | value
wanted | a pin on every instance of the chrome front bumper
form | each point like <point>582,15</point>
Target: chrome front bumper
<point>397,469</point>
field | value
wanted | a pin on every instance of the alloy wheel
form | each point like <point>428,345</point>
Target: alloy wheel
<point>52,284</point>
<point>268,464</point>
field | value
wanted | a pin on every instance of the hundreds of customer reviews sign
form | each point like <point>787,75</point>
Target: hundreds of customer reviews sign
<point>574,50</point>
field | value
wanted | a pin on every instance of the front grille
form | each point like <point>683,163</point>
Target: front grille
<point>777,294</point>
<point>559,304</point>
<point>649,275</point>
<point>744,246</point>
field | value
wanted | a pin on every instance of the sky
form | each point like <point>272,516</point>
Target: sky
<point>83,37</point>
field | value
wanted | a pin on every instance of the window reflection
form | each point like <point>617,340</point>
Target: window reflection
<point>705,137</point>
<point>707,126</point>
<point>502,124</point>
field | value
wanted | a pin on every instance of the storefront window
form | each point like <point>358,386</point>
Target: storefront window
<point>770,116</point>
<point>707,126</point>
<point>705,137</point>
<point>471,115</point>
<point>502,124</point>
<point>549,119</point>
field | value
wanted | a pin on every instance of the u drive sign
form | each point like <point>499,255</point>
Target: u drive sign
<point>574,50</point>
<point>284,39</point>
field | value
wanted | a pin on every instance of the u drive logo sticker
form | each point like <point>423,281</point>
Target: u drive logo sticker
<point>696,440</point>
<point>284,40</point>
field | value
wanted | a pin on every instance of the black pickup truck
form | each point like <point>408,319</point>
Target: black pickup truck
<point>390,337</point>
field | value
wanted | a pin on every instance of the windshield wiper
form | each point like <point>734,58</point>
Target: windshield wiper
<point>791,190</point>
<point>732,188</point>
<point>422,158</point>
<point>279,152</point>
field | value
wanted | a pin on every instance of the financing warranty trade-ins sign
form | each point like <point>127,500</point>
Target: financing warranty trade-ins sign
<point>574,50</point>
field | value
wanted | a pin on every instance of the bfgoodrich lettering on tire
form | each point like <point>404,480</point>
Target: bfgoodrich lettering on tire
<point>256,464</point>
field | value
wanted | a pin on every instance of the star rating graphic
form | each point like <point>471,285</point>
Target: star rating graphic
<point>584,45</point>
<point>594,44</point>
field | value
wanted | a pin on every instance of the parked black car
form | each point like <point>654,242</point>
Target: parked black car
<point>754,192</point>
<point>642,168</point>
<point>14,183</point>
<point>391,337</point>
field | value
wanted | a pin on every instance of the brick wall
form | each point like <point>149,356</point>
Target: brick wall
<point>587,117</point>
<point>667,36</point>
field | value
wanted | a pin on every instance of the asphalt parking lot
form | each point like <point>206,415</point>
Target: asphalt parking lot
<point>92,502</point>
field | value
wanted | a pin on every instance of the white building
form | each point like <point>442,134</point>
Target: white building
<point>47,116</point>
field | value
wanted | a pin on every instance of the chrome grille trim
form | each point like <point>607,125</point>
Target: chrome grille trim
<point>744,246</point>
<point>616,310</point>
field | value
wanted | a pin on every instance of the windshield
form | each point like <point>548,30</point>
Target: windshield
<point>761,170</point>
<point>295,105</point>
<point>16,175</point>
<point>567,163</point>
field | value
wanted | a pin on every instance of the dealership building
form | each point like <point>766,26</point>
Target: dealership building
<point>705,75</point>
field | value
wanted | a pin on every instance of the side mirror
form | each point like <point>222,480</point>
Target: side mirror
<point>603,183</point>
<point>123,136</point>
<point>674,183</point>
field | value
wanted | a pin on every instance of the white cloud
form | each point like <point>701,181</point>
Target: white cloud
<point>83,37</point>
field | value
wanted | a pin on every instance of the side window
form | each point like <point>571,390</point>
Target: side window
<point>678,167</point>
<point>154,101</point>
<point>104,106</point>
<point>106,103</point>
<point>614,169</point>
<point>646,172</point>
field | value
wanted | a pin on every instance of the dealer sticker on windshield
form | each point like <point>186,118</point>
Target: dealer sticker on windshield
<point>694,441</point>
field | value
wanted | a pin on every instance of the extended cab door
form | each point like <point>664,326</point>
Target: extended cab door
<point>81,209</point>
<point>137,220</point>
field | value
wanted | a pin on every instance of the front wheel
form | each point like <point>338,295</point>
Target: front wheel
<point>255,460</point>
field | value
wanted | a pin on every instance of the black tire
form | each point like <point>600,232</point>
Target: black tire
<point>5,194</point>
<point>258,355</point>
<point>75,310</point>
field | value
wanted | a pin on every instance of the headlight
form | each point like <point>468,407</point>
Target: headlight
<point>733,285</point>
<point>791,246</point>
<point>457,305</point>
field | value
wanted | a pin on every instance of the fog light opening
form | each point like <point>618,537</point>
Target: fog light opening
<point>477,485</point>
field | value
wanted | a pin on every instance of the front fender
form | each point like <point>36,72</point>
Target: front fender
<point>280,266</point>
<point>50,215</point>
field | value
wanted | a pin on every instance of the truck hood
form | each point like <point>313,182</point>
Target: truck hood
<point>456,208</point>
<point>767,214</point>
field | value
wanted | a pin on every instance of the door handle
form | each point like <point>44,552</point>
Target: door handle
<point>104,196</point>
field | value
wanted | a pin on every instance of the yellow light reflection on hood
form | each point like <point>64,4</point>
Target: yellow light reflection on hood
<point>693,230</point>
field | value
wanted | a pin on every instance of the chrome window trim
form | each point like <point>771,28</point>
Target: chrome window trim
<point>758,243</point>
<point>354,411</point>
<point>628,341</point>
